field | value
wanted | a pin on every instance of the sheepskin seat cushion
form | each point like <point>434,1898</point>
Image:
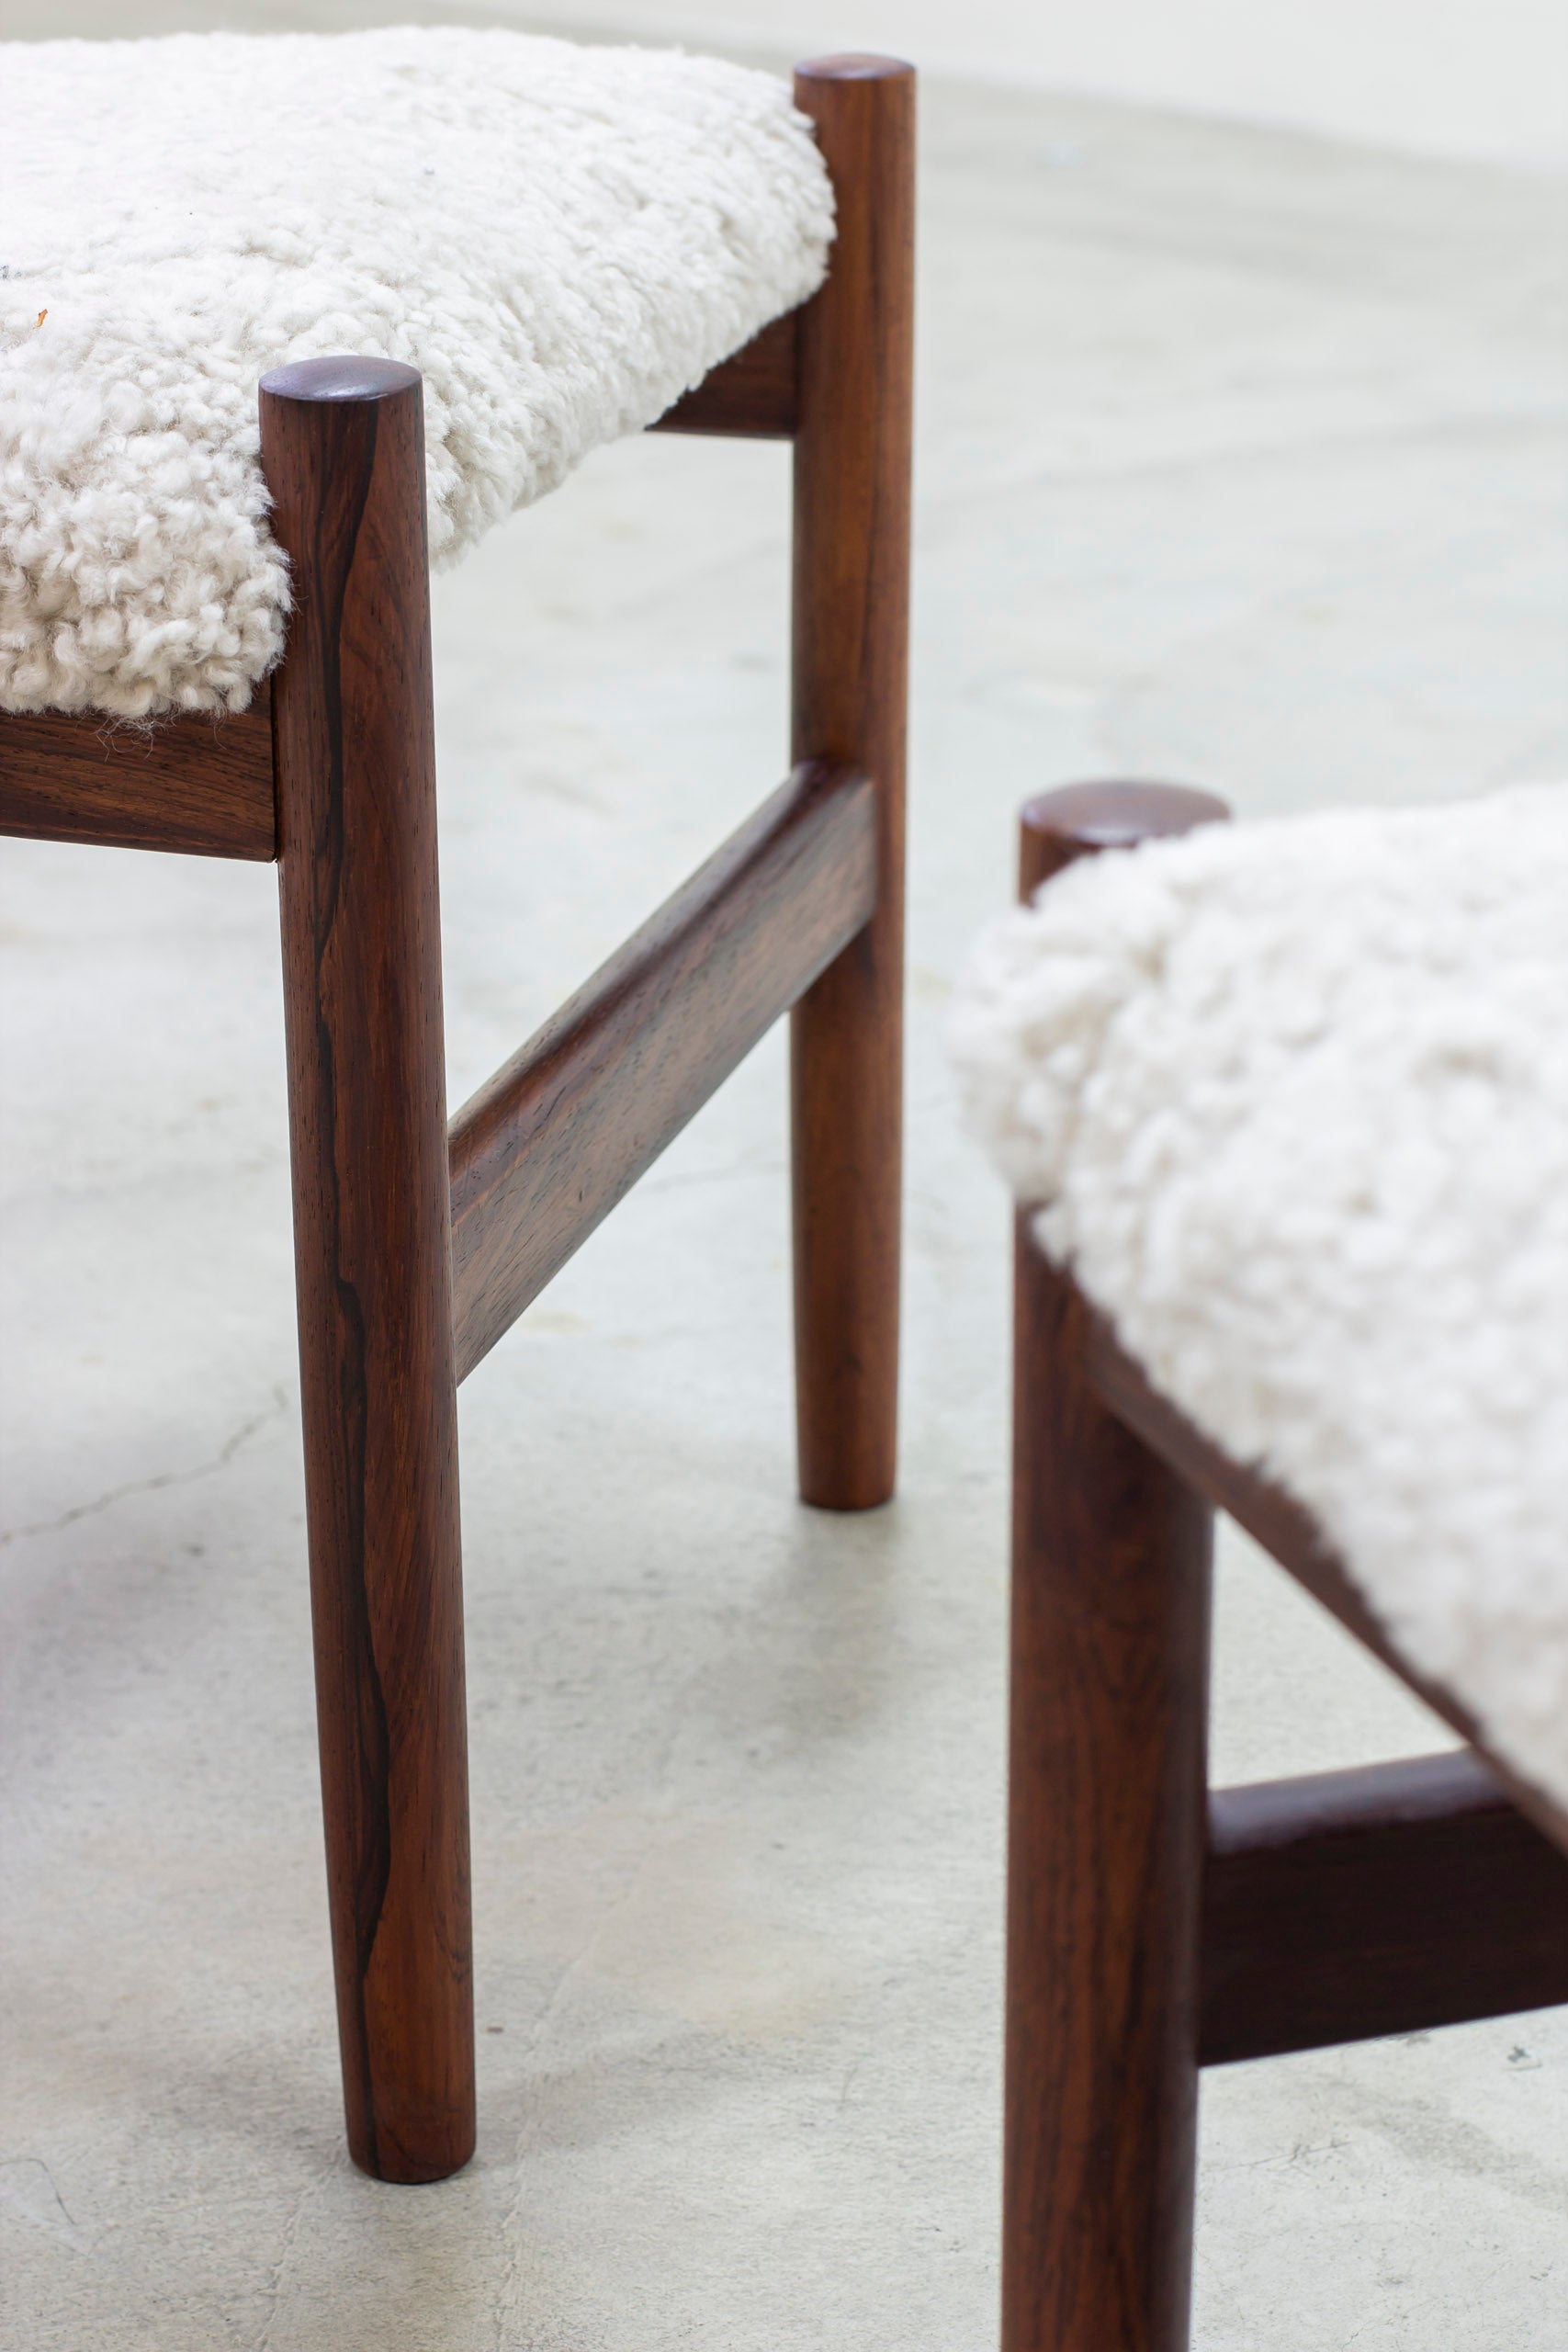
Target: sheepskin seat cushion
<point>1294,1099</point>
<point>563,240</point>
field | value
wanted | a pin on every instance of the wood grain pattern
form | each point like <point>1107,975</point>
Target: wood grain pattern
<point>1290,1535</point>
<point>1107,1794</point>
<point>1386,1900</point>
<point>542,1152</point>
<point>201,785</point>
<point>1106,1829</point>
<point>1332,1908</point>
<point>850,692</point>
<point>342,451</point>
<point>754,395</point>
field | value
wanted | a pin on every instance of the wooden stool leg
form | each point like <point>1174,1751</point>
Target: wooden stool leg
<point>343,449</point>
<point>1105,1859</point>
<point>851,570</point>
<point>1107,1803</point>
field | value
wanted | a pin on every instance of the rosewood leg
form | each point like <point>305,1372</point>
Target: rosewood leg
<point>1106,1829</point>
<point>1105,1859</point>
<point>851,570</point>
<point>343,450</point>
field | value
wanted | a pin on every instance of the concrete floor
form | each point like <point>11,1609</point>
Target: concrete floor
<point>1480,79</point>
<point>1238,464</point>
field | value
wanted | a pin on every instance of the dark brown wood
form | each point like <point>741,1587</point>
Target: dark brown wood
<point>1387,1900</point>
<point>851,633</point>
<point>1107,1794</point>
<point>1292,1537</point>
<point>1081,819</point>
<point>754,394</point>
<point>542,1152</point>
<point>202,784</point>
<point>1105,1857</point>
<point>1333,1909</point>
<point>342,451</point>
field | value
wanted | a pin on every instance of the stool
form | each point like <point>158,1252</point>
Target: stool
<point>155,562</point>
<point>1255,1084</point>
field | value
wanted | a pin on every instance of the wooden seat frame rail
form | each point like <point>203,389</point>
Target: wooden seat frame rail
<point>1154,1926</point>
<point>416,1246</point>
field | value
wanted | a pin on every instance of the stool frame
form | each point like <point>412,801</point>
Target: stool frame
<point>416,1244</point>
<point>1154,1927</point>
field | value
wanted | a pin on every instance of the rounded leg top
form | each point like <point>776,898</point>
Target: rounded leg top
<point>1079,820</point>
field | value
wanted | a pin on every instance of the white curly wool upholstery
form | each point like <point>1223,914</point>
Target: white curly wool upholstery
<point>562,239</point>
<point>1294,1096</point>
